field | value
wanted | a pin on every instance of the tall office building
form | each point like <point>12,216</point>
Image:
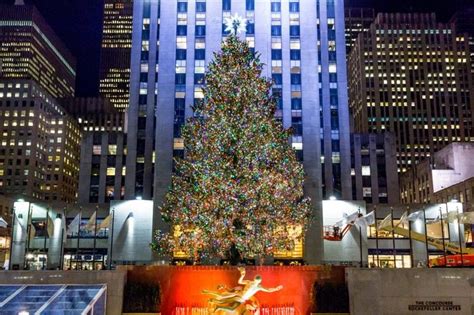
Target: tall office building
<point>358,20</point>
<point>374,168</point>
<point>464,22</point>
<point>39,144</point>
<point>115,52</point>
<point>410,75</point>
<point>29,49</point>
<point>304,54</point>
<point>103,149</point>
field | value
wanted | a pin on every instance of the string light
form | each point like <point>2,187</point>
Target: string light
<point>240,184</point>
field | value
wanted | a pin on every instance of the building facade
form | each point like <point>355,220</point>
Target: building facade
<point>462,192</point>
<point>446,176</point>
<point>374,168</point>
<point>358,20</point>
<point>103,149</point>
<point>410,75</point>
<point>29,49</point>
<point>94,237</point>
<point>115,52</point>
<point>464,23</point>
<point>305,55</point>
<point>40,144</point>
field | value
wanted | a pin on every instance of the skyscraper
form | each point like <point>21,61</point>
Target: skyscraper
<point>357,20</point>
<point>115,52</point>
<point>29,49</point>
<point>464,22</point>
<point>39,144</point>
<point>305,56</point>
<point>410,75</point>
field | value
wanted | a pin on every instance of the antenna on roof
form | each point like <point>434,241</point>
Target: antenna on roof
<point>19,2</point>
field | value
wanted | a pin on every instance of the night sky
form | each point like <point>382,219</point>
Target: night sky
<point>79,24</point>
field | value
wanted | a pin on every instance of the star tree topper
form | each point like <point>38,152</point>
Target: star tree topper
<point>235,24</point>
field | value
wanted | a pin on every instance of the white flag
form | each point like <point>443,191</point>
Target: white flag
<point>90,226</point>
<point>366,220</point>
<point>451,217</point>
<point>3,223</point>
<point>105,223</point>
<point>74,225</point>
<point>348,219</point>
<point>370,218</point>
<point>387,222</point>
<point>466,218</point>
<point>416,215</point>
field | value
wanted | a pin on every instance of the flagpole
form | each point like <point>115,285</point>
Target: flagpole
<point>443,236</point>
<point>360,243</point>
<point>111,240</point>
<point>95,238</point>
<point>426,238</point>
<point>393,240</point>
<point>46,234</point>
<point>78,237</point>
<point>459,237</point>
<point>412,259</point>
<point>28,231</point>
<point>377,237</point>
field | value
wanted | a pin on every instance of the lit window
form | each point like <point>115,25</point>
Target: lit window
<point>365,170</point>
<point>96,149</point>
<point>110,171</point>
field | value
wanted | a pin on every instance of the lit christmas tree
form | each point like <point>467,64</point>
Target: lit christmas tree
<point>240,185</point>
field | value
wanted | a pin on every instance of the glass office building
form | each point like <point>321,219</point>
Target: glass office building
<point>115,52</point>
<point>304,54</point>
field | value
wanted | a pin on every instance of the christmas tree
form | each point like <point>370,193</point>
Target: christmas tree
<point>240,185</point>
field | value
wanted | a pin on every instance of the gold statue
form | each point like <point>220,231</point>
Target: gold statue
<point>239,300</point>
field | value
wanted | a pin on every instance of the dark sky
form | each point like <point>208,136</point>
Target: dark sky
<point>79,24</point>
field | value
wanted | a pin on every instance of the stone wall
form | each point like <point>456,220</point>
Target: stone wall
<point>411,291</point>
<point>115,281</point>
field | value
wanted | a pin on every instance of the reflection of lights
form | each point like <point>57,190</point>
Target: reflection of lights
<point>138,197</point>
<point>332,198</point>
<point>21,200</point>
<point>30,256</point>
<point>23,313</point>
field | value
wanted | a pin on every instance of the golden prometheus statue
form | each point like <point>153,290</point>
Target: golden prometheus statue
<point>239,300</point>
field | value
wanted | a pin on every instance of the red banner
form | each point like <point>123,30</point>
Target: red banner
<point>182,287</point>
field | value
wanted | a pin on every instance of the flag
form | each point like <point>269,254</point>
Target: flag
<point>50,226</point>
<point>466,218</point>
<point>90,226</point>
<point>3,223</point>
<point>403,219</point>
<point>451,217</point>
<point>366,220</point>
<point>385,222</point>
<point>74,225</point>
<point>105,223</point>
<point>415,215</point>
<point>347,219</point>
<point>370,218</point>
<point>32,232</point>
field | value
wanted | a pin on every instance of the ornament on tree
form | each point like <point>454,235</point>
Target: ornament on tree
<point>239,185</point>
